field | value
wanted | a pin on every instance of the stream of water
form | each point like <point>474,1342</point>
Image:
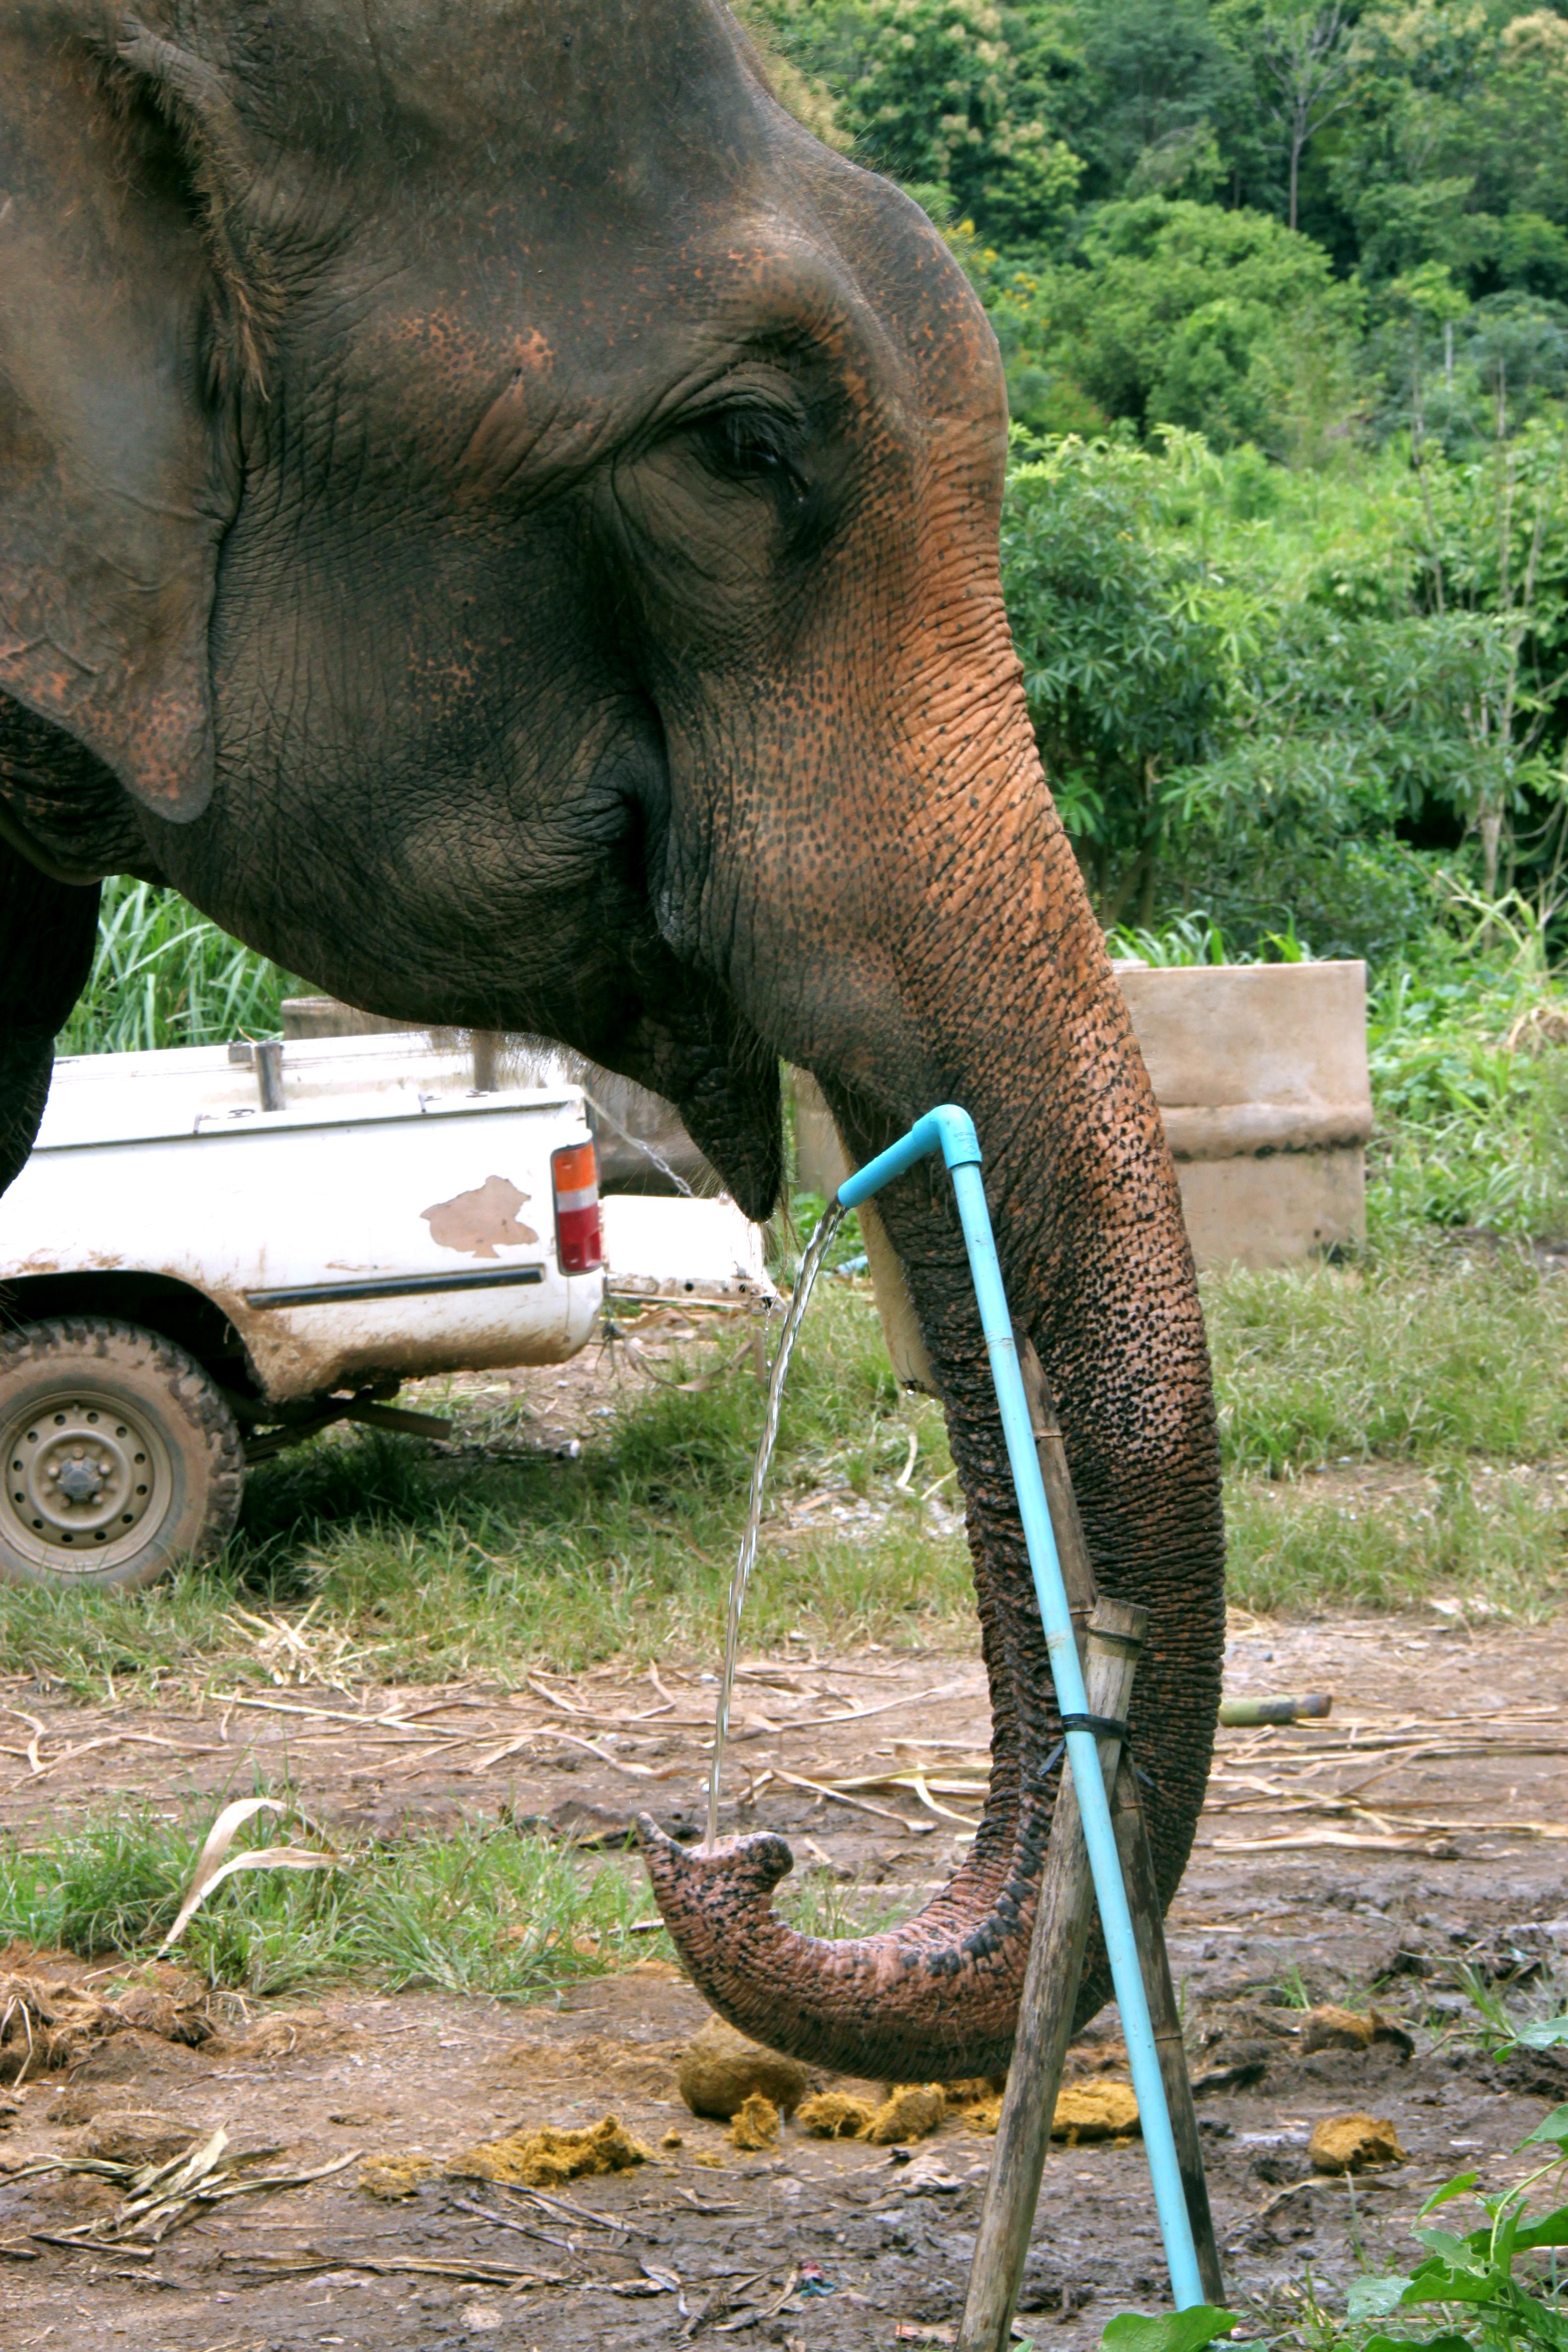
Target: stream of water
<point>810,1267</point>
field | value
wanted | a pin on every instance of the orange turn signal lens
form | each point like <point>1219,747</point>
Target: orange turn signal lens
<point>579,1237</point>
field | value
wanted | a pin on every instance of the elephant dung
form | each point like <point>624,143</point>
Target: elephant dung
<point>756,2124</point>
<point>545,2159</point>
<point>719,2069</point>
<point>1328,2028</point>
<point>1354,2143</point>
<point>834,2115</point>
<point>909,2111</point>
<point>1094,2110</point>
<point>393,2177</point>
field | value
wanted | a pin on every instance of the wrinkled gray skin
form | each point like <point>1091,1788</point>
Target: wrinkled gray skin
<point>505,524</point>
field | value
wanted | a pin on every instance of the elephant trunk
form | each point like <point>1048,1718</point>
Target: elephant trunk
<point>998,975</point>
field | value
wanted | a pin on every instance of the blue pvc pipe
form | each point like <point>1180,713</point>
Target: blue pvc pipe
<point>952,1131</point>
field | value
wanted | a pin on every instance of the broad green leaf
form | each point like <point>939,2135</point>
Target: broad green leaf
<point>1553,2131</point>
<point>1173,2331</point>
<point>1447,2248</point>
<point>1374,2298</point>
<point>1455,2188</point>
<point>1435,2284</point>
<point>1408,2344</point>
<point>1552,2230</point>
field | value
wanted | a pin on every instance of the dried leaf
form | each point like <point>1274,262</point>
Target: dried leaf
<point>211,1868</point>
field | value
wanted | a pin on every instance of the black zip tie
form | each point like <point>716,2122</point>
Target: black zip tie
<point>1104,1727</point>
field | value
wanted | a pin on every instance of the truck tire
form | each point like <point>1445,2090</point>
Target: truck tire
<point>119,1456</point>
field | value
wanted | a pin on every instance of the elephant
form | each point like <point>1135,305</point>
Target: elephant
<point>505,523</point>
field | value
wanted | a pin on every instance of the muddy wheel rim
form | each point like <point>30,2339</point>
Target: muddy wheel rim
<point>88,1482</point>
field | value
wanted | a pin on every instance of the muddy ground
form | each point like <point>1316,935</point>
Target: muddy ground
<point>1425,1822</point>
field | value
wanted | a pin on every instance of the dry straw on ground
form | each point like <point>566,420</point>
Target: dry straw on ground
<point>756,2124</point>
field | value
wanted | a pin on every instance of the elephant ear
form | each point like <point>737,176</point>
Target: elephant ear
<point>128,319</point>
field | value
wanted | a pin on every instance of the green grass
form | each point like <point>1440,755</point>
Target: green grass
<point>425,1570</point>
<point>1431,1353</point>
<point>487,1911</point>
<point>471,1911</point>
<point>163,975</point>
<point>1484,1542</point>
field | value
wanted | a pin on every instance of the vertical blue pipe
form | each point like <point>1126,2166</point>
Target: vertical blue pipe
<point>952,1131</point>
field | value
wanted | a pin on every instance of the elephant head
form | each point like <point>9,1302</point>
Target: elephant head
<point>507,523</point>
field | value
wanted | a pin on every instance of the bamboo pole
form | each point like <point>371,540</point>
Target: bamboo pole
<point>1062,1919</point>
<point>1132,1843</point>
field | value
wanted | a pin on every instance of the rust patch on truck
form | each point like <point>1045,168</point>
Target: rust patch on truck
<point>475,1221</point>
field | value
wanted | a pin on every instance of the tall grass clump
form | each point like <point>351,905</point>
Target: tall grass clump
<point>163,975</point>
<point>1468,1042</point>
<point>484,1908</point>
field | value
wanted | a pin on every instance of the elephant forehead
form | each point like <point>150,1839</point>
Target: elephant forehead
<point>520,366</point>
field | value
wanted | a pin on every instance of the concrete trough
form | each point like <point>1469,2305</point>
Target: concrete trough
<point>1260,1073</point>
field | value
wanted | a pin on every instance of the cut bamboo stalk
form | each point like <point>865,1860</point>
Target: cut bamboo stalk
<point>1062,1919</point>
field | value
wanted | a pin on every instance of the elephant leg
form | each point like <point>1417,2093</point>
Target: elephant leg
<point>48,931</point>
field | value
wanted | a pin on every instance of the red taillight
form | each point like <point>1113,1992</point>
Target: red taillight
<point>579,1243</point>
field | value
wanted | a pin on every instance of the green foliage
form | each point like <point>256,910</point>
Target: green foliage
<point>164,976</point>
<point>1181,313</point>
<point>1492,2297</point>
<point>1122,678</point>
<point>1495,2025</point>
<point>1173,2331</point>
<point>1253,688</point>
<point>955,97</point>
<point>1470,1081</point>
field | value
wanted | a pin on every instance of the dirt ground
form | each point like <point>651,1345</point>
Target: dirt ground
<point>1426,1821</point>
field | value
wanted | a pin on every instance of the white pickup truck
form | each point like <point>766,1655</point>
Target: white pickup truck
<point>214,1252</point>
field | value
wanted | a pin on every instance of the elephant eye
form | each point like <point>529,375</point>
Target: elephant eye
<point>752,445</point>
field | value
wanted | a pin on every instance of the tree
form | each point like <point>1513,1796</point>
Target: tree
<point>953,96</point>
<point>1177,313</point>
<point>1309,57</point>
<point>1123,683</point>
<point>1159,90</point>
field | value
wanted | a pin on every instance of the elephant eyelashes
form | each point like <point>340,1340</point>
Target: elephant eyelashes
<point>754,445</point>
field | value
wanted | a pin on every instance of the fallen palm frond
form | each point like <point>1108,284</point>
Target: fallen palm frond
<point>1299,1840</point>
<point>158,2196</point>
<point>212,1869</point>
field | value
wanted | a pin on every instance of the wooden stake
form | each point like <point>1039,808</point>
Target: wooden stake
<point>1004,2245</point>
<point>1148,1928</point>
<point>1046,2008</point>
